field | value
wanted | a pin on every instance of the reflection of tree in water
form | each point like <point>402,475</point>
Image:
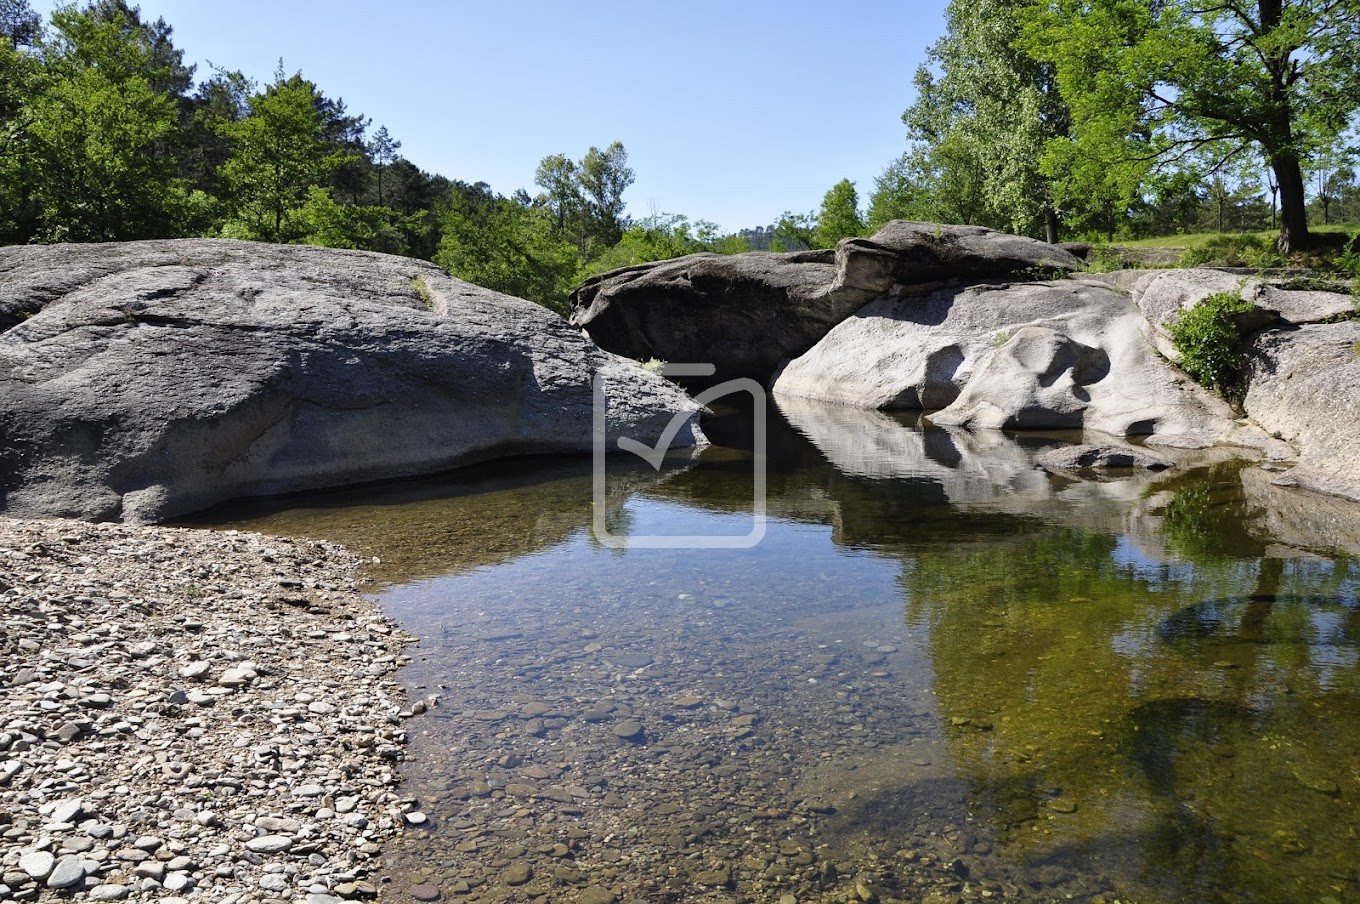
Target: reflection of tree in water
<point>1221,762</point>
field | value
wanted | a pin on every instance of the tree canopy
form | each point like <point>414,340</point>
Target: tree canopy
<point>1157,85</point>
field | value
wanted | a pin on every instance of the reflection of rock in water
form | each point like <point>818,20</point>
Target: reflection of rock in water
<point>1318,621</point>
<point>436,526</point>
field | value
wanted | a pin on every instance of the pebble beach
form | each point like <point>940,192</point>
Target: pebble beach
<point>193,714</point>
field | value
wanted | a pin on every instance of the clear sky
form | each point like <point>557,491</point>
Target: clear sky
<point>731,111</point>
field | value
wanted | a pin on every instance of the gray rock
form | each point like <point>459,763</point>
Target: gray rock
<point>1064,354</point>
<point>38,864</point>
<point>67,810</point>
<point>156,378</point>
<point>109,892</point>
<point>747,313</point>
<point>269,844</point>
<point>1305,389</point>
<point>1162,294</point>
<point>1085,456</point>
<point>67,872</point>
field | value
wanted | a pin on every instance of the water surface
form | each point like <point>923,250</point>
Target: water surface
<point>943,671</point>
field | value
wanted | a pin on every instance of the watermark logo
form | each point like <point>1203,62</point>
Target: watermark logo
<point>655,455</point>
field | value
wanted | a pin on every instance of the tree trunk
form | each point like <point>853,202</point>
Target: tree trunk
<point>1050,224</point>
<point>1293,212</point>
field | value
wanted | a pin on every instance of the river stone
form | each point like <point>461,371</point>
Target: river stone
<point>143,380</point>
<point>67,872</point>
<point>423,892</point>
<point>109,892</point>
<point>67,810</point>
<point>1066,354</point>
<point>38,864</point>
<point>1304,388</point>
<point>594,894</point>
<point>629,731</point>
<point>747,313</point>
<point>269,844</point>
<point>517,874</point>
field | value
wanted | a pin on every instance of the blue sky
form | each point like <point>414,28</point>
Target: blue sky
<point>730,111</point>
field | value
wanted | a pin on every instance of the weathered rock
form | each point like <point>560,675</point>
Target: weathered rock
<point>742,313</point>
<point>748,313</point>
<point>904,253</point>
<point>148,379</point>
<point>1030,355</point>
<point>1162,294</point>
<point>1088,456</point>
<point>1305,389</point>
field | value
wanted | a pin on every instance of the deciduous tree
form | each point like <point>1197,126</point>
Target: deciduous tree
<point>1157,83</point>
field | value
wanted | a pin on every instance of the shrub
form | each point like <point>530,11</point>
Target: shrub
<point>1209,343</point>
<point>1233,251</point>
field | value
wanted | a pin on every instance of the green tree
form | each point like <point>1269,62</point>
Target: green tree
<point>19,24</point>
<point>94,150</point>
<point>839,217</point>
<point>663,236</point>
<point>503,245</point>
<point>604,176</point>
<point>382,150</point>
<point>985,110</point>
<point>559,177</point>
<point>940,183</point>
<point>278,152</point>
<point>1159,83</point>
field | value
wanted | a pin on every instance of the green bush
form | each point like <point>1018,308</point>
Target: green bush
<point>1209,343</point>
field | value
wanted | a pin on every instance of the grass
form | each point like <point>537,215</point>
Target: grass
<point>423,290</point>
<point>1195,239</point>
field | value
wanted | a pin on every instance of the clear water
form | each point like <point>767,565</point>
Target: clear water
<point>943,671</point>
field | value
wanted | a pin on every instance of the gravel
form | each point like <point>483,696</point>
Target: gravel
<point>192,714</point>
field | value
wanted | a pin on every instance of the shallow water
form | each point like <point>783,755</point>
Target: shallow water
<point>943,671</point>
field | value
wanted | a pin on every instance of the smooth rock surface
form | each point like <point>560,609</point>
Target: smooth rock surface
<point>1305,389</point>
<point>1162,294</point>
<point>143,380</point>
<point>747,313</point>
<point>1066,354</point>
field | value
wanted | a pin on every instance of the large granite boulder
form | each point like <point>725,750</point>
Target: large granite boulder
<point>748,313</point>
<point>1064,354</point>
<point>145,380</point>
<point>1305,389</point>
<point>1162,294</point>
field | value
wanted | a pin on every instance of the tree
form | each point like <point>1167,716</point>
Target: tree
<point>1159,83</point>
<point>986,108</point>
<point>940,183</point>
<point>96,138</point>
<point>559,177</point>
<point>19,24</point>
<point>604,176</point>
<point>278,152</point>
<point>382,149</point>
<point>500,244</point>
<point>839,216</point>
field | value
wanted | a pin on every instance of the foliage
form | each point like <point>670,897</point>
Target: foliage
<point>1162,83</point>
<point>985,110</point>
<point>279,151</point>
<point>604,176</point>
<point>323,221</point>
<point>663,237</point>
<point>501,244</point>
<point>1246,250</point>
<point>839,217</point>
<point>1208,342</point>
<point>92,152</point>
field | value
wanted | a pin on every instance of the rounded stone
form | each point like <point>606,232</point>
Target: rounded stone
<point>67,872</point>
<point>629,731</point>
<point>423,892</point>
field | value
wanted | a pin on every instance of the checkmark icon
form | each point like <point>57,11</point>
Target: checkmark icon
<point>655,455</point>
